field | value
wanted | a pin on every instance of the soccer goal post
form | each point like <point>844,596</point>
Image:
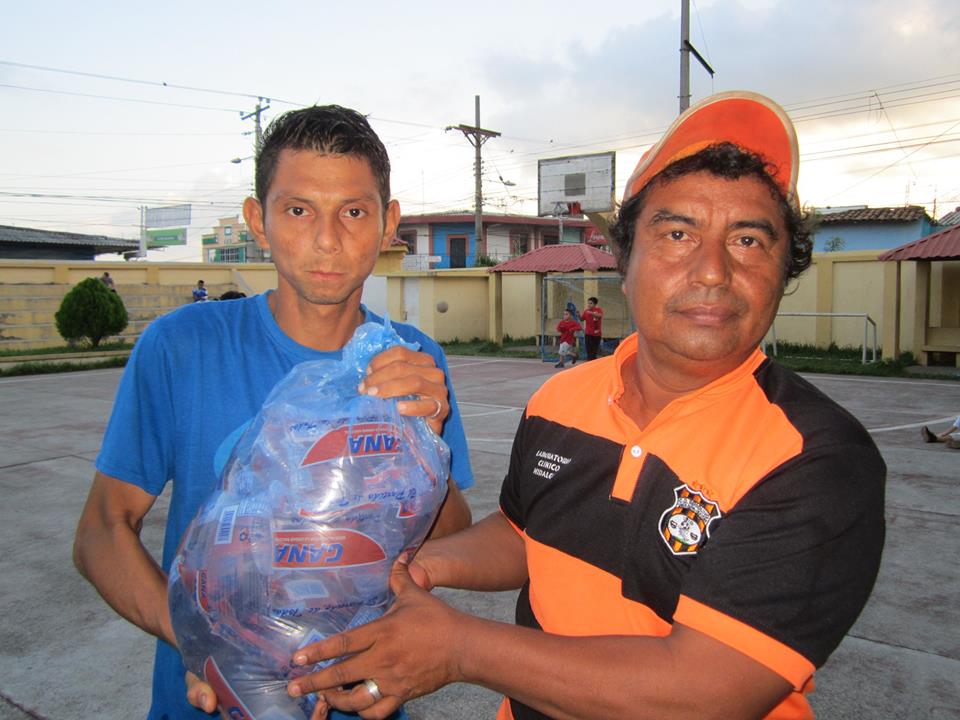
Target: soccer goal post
<point>570,291</point>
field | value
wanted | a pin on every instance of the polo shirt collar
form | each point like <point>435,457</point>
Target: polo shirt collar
<point>626,351</point>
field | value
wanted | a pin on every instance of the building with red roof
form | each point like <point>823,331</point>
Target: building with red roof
<point>943,245</point>
<point>931,268</point>
<point>560,258</point>
<point>447,240</point>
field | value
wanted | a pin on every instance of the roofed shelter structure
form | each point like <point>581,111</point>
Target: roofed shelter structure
<point>556,276</point>
<point>923,277</point>
<point>19,243</point>
<point>560,258</point>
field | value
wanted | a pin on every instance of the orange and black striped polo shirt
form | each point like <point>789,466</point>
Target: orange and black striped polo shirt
<point>750,510</point>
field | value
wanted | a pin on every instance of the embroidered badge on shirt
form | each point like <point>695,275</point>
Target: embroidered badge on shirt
<point>685,526</point>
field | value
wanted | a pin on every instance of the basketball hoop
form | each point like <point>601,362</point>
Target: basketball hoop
<point>576,184</point>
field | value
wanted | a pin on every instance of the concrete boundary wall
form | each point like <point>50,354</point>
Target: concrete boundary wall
<point>916,305</point>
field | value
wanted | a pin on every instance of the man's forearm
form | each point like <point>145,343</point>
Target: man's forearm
<point>454,515</point>
<point>115,562</point>
<point>489,555</point>
<point>616,676</point>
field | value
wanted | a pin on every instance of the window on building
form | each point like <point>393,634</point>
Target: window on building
<point>228,231</point>
<point>551,240</point>
<point>519,243</point>
<point>230,255</point>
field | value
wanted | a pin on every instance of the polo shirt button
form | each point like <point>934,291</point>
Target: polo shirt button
<point>636,451</point>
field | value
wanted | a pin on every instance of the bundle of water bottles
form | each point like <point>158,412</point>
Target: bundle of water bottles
<point>323,491</point>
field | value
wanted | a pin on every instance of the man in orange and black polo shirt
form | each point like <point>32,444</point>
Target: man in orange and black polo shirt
<point>694,527</point>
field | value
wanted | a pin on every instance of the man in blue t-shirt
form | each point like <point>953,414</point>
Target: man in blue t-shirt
<point>323,210</point>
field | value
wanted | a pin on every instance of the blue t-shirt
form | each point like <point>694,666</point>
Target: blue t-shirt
<point>194,376</point>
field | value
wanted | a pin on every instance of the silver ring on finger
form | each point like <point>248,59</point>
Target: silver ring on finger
<point>436,413</point>
<point>373,689</point>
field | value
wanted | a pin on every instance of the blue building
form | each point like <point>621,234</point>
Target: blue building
<point>864,228</point>
<point>448,240</point>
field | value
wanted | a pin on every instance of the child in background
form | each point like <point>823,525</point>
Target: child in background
<point>568,343</point>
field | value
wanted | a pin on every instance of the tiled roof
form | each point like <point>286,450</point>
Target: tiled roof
<point>951,218</point>
<point>34,236</point>
<point>943,245</point>
<point>908,213</point>
<point>566,257</point>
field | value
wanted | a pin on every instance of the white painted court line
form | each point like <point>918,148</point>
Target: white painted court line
<point>54,376</point>
<point>951,418</point>
<point>491,412</point>
<point>493,409</point>
<point>488,405</point>
<point>454,364</point>
<point>884,381</point>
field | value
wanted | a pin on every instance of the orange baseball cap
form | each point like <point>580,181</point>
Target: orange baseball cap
<point>748,120</point>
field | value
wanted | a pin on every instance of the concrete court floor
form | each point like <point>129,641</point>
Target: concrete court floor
<point>65,655</point>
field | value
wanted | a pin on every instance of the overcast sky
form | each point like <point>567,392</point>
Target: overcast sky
<point>89,132</point>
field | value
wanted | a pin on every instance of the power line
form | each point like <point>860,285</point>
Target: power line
<point>896,162</point>
<point>154,133</point>
<point>119,99</point>
<point>154,83</point>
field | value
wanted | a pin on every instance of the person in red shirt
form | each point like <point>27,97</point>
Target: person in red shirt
<point>592,318</point>
<point>568,343</point>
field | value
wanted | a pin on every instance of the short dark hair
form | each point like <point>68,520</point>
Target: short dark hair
<point>326,129</point>
<point>724,160</point>
<point>593,300</point>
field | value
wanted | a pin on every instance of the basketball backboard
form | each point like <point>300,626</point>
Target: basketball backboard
<point>584,179</point>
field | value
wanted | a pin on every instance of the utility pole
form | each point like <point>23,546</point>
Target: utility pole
<point>142,251</point>
<point>684,54</point>
<point>477,137</point>
<point>258,130</point>
<point>686,49</point>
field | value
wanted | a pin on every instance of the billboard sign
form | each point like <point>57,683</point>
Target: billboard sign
<point>167,236</point>
<point>170,216</point>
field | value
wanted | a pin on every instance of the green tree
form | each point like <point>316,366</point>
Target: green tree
<point>90,310</point>
<point>834,244</point>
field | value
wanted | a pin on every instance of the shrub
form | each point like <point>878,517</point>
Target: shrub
<point>488,347</point>
<point>90,310</point>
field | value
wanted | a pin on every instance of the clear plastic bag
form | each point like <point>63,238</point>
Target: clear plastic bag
<point>323,491</point>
